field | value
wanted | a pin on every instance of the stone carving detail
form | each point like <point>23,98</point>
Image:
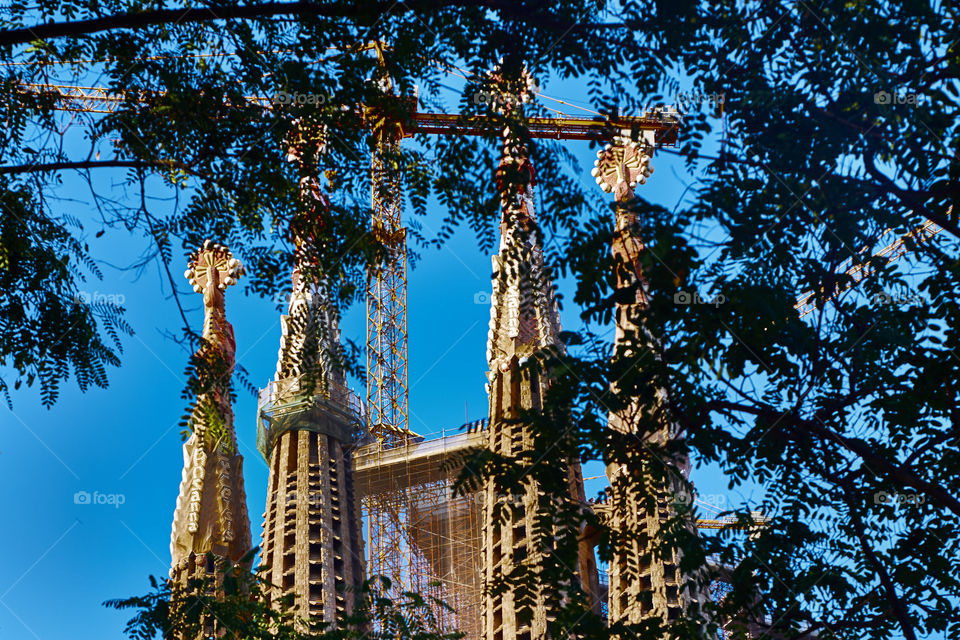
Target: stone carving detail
<point>643,583</point>
<point>523,311</point>
<point>312,538</point>
<point>211,513</point>
<point>621,166</point>
<point>196,488</point>
<point>524,324</point>
<point>310,339</point>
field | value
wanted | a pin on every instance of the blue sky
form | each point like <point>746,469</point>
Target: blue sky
<point>122,444</point>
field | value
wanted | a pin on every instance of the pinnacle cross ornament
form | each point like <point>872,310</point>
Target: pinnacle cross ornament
<point>620,167</point>
<point>213,264</point>
<point>211,512</point>
<point>212,269</point>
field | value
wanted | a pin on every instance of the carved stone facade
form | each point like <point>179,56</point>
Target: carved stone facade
<point>308,422</point>
<point>211,512</point>
<point>643,583</point>
<point>524,327</point>
<point>311,532</point>
<point>312,537</point>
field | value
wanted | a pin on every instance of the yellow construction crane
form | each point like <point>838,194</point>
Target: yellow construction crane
<point>732,523</point>
<point>807,301</point>
<point>387,388</point>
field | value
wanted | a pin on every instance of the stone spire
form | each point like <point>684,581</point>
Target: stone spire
<point>307,421</point>
<point>524,329</point>
<point>523,312</point>
<point>643,583</point>
<point>310,332</point>
<point>211,513</point>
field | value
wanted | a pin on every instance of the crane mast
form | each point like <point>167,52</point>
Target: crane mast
<point>387,380</point>
<point>387,383</point>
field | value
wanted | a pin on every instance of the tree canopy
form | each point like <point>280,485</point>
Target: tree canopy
<point>814,136</point>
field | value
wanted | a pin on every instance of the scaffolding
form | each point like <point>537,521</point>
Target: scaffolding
<point>419,534</point>
<point>290,404</point>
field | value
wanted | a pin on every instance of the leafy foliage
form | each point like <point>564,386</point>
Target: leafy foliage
<point>813,136</point>
<point>235,606</point>
<point>49,328</point>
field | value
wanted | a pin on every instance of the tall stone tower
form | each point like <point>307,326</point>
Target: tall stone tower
<point>210,523</point>
<point>643,583</point>
<point>524,327</point>
<point>307,422</point>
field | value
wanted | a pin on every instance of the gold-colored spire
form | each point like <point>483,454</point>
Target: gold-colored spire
<point>211,513</point>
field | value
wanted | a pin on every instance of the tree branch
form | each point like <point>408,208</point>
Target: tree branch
<point>899,610</point>
<point>905,196</point>
<point>269,9</point>
<point>879,464</point>
<point>866,451</point>
<point>40,167</point>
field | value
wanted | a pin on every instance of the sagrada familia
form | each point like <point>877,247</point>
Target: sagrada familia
<point>342,506</point>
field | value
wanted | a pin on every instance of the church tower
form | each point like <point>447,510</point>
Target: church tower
<point>523,337</point>
<point>308,420</point>
<point>210,523</point>
<point>643,583</point>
